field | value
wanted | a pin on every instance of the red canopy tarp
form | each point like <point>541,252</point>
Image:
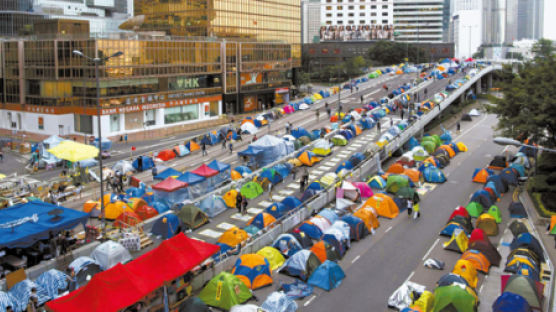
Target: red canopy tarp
<point>169,185</point>
<point>124,285</point>
<point>205,171</point>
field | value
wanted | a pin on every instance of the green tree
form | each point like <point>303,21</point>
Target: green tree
<point>529,104</point>
<point>390,52</point>
<point>543,48</point>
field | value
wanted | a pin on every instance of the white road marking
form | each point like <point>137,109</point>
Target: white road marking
<point>335,159</point>
<point>210,233</point>
<point>326,168</point>
<point>430,249</point>
<point>315,171</point>
<point>388,229</point>
<point>277,197</point>
<point>293,186</point>
<point>410,276</point>
<point>356,258</point>
<point>286,192</point>
<point>308,302</point>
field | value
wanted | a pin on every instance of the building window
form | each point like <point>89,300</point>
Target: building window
<point>328,8</point>
<point>340,14</point>
<point>340,22</point>
<point>384,22</point>
<point>373,13</point>
<point>350,22</point>
<point>350,7</point>
<point>373,22</point>
<point>340,7</point>
<point>384,13</point>
<point>373,7</point>
<point>114,123</point>
<point>350,14</point>
<point>328,22</point>
<point>181,113</point>
<point>328,14</point>
<point>362,7</point>
<point>385,7</point>
<point>361,22</point>
<point>362,14</point>
<point>328,1</point>
<point>340,1</point>
<point>41,123</point>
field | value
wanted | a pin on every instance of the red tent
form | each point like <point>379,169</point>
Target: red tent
<point>459,211</point>
<point>166,155</point>
<point>478,235</point>
<point>205,171</point>
<point>169,185</point>
<point>124,285</point>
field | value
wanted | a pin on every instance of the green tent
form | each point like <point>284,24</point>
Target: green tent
<point>373,75</point>
<point>395,183</point>
<point>251,190</point>
<point>406,192</point>
<point>297,144</point>
<point>495,212</point>
<point>454,298</point>
<point>339,140</point>
<point>429,146</point>
<point>192,216</point>
<point>437,140</point>
<point>526,288</point>
<point>224,291</point>
<point>474,209</point>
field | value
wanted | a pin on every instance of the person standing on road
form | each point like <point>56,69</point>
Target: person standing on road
<point>362,99</point>
<point>301,185</point>
<point>294,172</point>
<point>401,113</point>
<point>328,111</point>
<point>1,154</point>
<point>239,200</point>
<point>458,127</point>
<point>409,208</point>
<point>317,113</point>
<point>203,149</point>
<point>425,91</point>
<point>270,190</point>
<point>340,108</point>
<point>231,146</point>
<point>326,105</point>
<point>224,144</point>
<point>385,87</point>
<point>378,126</point>
<point>288,128</point>
<point>244,204</point>
<point>416,207</point>
<point>125,138</point>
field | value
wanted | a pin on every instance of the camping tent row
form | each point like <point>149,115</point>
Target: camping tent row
<point>133,281</point>
<point>266,150</point>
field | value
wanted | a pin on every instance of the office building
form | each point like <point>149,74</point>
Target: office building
<point>15,15</point>
<point>466,27</point>
<point>530,19</point>
<point>310,21</point>
<point>159,82</point>
<point>422,20</point>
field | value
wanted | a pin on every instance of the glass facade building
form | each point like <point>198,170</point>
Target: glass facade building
<point>158,81</point>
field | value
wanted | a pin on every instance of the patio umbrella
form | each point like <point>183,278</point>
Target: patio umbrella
<point>73,151</point>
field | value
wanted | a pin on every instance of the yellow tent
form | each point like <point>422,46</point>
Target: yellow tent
<point>73,151</point>
<point>441,68</point>
<point>230,198</point>
<point>135,203</point>
<point>274,257</point>
<point>383,205</point>
<point>2,176</point>
<point>233,236</point>
<point>113,210</point>
<point>317,96</point>
<point>466,269</point>
<point>368,217</point>
<point>236,175</point>
<point>461,147</point>
<point>425,303</point>
<point>458,242</point>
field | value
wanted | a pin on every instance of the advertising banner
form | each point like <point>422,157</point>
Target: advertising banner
<point>356,33</point>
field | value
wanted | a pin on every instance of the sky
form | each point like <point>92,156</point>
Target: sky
<point>549,21</point>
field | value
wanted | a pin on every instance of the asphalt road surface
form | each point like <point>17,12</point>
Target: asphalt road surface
<point>378,265</point>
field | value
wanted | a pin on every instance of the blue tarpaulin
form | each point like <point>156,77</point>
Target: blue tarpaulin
<point>53,281</point>
<point>170,172</point>
<point>147,163</point>
<point>224,171</point>
<point>20,228</point>
<point>267,150</point>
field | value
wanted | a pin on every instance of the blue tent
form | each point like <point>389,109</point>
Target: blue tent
<point>7,300</point>
<point>449,229</point>
<point>21,293</point>
<point>299,132</point>
<point>166,226</point>
<point>327,276</point>
<point>509,177</point>
<point>446,137</point>
<point>223,251</point>
<point>446,60</point>
<point>106,144</point>
<point>213,205</point>
<point>434,175</point>
<point>308,100</point>
<point>243,170</point>
<point>308,194</point>
<point>278,301</point>
<point>357,229</point>
<point>451,278</point>
<point>493,187</point>
<point>520,169</point>
<point>147,163</point>
<point>482,197</point>
<point>277,210</point>
<point>24,224</point>
<point>315,185</point>
<point>170,172</point>
<point>377,182</point>
<point>271,175</point>
<point>53,281</point>
<point>251,151</point>
<point>291,202</point>
<point>510,302</point>
<point>526,240</point>
<point>366,123</point>
<point>412,142</point>
<point>344,165</point>
<point>302,264</point>
<point>329,215</point>
<point>283,169</point>
<point>297,289</point>
<point>190,178</point>
<point>347,134</point>
<point>287,244</point>
<point>500,185</point>
<point>312,230</point>
<point>160,207</point>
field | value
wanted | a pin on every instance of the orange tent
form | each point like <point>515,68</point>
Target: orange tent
<point>395,168</point>
<point>479,261</point>
<point>146,212</point>
<point>384,205</point>
<point>552,222</point>
<point>448,149</point>
<point>193,146</point>
<point>135,203</point>
<point>89,205</point>
<point>127,218</point>
<point>414,175</point>
<point>357,130</point>
<point>320,250</point>
<point>334,118</point>
<point>113,210</point>
<point>236,175</point>
<point>233,236</point>
<point>466,269</point>
<point>247,120</point>
<point>481,176</point>
<point>368,217</point>
<point>166,155</point>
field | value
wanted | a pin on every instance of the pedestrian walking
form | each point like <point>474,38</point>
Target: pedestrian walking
<point>439,108</point>
<point>340,108</point>
<point>270,190</point>
<point>391,122</point>
<point>231,146</point>
<point>301,185</point>
<point>305,176</point>
<point>1,155</point>
<point>244,204</point>
<point>294,172</point>
<point>317,113</point>
<point>326,105</point>
<point>416,207</point>
<point>458,127</point>
<point>361,99</point>
<point>425,91</point>
<point>203,149</point>
<point>328,111</point>
<point>378,126</point>
<point>125,138</point>
<point>287,128</point>
<point>254,138</point>
<point>224,144</point>
<point>409,208</point>
<point>385,87</point>
<point>357,88</point>
<point>154,171</point>
<point>239,200</point>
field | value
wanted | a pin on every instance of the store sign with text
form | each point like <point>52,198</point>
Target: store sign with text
<point>144,107</point>
<point>249,103</point>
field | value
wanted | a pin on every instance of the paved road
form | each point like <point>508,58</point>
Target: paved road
<point>376,266</point>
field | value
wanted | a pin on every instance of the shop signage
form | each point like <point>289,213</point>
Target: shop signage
<point>187,83</point>
<point>144,107</point>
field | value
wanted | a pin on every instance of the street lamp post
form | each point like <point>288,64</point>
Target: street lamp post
<point>97,61</point>
<point>509,141</point>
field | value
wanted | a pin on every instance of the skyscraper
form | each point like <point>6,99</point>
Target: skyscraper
<point>421,20</point>
<point>466,26</point>
<point>310,20</point>
<point>530,18</point>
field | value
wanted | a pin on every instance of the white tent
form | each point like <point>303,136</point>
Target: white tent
<point>355,115</point>
<point>249,128</point>
<point>474,112</point>
<point>110,253</point>
<point>303,106</point>
<point>123,166</point>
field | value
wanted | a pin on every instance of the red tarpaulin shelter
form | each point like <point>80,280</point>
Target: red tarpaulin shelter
<point>123,285</point>
<point>205,171</point>
<point>169,185</point>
